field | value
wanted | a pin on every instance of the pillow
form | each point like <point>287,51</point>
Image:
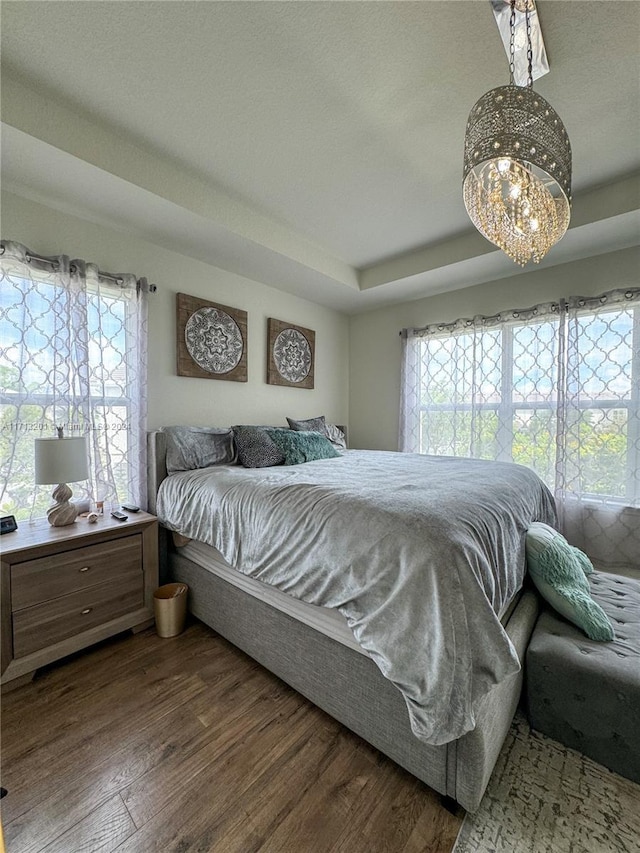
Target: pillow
<point>198,447</point>
<point>559,572</point>
<point>336,436</point>
<point>299,447</point>
<point>255,448</point>
<point>310,425</point>
<point>332,432</point>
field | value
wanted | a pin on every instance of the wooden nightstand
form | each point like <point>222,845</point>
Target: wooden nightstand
<point>64,588</point>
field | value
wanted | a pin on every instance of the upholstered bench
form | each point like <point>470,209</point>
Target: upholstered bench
<point>586,694</point>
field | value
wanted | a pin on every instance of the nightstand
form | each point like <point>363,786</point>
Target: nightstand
<point>64,588</point>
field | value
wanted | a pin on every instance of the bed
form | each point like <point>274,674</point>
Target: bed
<point>334,650</point>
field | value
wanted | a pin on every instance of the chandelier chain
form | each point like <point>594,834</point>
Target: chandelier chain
<point>527,18</point>
<point>512,47</point>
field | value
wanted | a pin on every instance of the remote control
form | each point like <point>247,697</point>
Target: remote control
<point>119,516</point>
<point>131,508</point>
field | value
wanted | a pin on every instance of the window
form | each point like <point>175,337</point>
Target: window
<point>603,381</point>
<point>556,388</point>
<point>71,354</point>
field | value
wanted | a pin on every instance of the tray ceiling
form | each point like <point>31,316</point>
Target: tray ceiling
<point>336,125</point>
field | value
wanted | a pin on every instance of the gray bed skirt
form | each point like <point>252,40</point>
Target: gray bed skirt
<point>350,687</point>
<point>346,684</point>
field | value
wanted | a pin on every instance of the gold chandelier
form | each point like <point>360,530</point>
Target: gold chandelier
<point>517,165</point>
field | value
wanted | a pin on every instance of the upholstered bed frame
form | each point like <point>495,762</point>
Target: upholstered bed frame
<point>346,684</point>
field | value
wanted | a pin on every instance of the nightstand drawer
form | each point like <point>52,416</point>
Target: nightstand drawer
<point>49,623</point>
<point>37,581</point>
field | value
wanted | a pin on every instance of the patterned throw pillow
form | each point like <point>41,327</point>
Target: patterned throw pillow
<point>299,447</point>
<point>255,447</point>
<point>559,572</point>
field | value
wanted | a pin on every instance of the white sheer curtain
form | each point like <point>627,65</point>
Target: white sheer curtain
<point>555,387</point>
<point>73,345</point>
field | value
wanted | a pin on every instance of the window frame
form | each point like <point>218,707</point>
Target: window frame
<point>506,408</point>
<point>94,401</point>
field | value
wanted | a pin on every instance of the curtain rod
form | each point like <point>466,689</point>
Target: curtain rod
<point>563,305</point>
<point>31,256</point>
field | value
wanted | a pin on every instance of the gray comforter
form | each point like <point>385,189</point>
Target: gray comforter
<point>421,554</point>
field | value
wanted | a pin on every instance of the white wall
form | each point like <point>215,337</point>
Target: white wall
<point>357,374</point>
<point>375,346</point>
<point>182,400</point>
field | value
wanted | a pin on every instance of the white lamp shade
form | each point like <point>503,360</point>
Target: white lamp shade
<point>61,460</point>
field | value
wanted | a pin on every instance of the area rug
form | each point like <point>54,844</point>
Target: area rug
<point>545,798</point>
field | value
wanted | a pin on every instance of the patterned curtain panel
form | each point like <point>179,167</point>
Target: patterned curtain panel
<point>556,388</point>
<point>73,345</point>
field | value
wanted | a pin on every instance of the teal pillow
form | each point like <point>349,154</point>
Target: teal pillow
<point>559,572</point>
<point>298,447</point>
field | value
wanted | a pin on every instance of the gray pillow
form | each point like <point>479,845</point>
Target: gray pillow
<point>310,425</point>
<point>336,436</point>
<point>255,447</point>
<point>198,447</point>
<point>319,424</point>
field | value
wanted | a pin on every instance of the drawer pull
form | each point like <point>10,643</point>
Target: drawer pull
<point>87,610</point>
<point>85,568</point>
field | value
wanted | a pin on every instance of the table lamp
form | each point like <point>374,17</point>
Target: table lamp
<point>61,460</point>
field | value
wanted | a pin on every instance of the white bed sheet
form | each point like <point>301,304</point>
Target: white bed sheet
<point>326,620</point>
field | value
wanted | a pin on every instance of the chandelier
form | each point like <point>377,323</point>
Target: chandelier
<point>517,165</point>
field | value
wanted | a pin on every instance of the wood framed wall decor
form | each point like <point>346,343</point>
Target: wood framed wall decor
<point>211,339</point>
<point>291,352</point>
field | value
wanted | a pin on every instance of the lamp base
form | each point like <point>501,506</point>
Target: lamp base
<point>62,512</point>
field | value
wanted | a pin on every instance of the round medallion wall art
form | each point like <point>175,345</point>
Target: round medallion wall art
<point>211,340</point>
<point>214,340</point>
<point>290,354</point>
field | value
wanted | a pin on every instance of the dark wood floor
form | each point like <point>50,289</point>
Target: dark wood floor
<point>187,745</point>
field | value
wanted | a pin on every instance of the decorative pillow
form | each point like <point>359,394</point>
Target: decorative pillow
<point>198,447</point>
<point>255,447</point>
<point>299,447</point>
<point>319,424</point>
<point>310,425</point>
<point>336,436</point>
<point>558,570</point>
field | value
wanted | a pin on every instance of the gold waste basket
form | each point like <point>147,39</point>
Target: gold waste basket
<point>170,606</point>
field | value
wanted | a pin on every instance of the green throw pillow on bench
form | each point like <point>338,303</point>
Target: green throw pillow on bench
<point>559,572</point>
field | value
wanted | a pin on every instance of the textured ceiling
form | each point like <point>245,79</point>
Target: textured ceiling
<point>343,121</point>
